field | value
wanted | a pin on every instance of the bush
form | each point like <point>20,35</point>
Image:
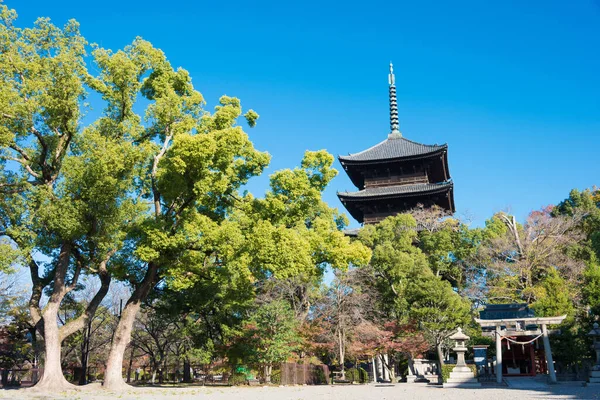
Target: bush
<point>357,375</point>
<point>446,369</point>
<point>473,368</point>
<point>276,377</point>
<point>363,375</point>
<point>237,379</point>
<point>352,375</point>
<point>320,377</point>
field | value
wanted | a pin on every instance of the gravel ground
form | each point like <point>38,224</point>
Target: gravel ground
<point>349,392</point>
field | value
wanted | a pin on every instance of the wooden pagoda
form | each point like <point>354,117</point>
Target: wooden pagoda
<point>396,175</point>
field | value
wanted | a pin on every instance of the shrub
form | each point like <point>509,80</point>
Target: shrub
<point>446,369</point>
<point>358,375</point>
<point>320,377</point>
<point>352,375</point>
<point>237,379</point>
<point>276,377</point>
<point>473,368</point>
<point>363,375</point>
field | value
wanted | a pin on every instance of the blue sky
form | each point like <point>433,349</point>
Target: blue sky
<point>512,87</point>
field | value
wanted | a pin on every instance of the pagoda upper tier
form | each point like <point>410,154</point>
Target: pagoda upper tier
<point>403,156</point>
<point>397,175</point>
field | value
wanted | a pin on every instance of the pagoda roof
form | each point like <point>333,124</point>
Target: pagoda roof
<point>384,191</point>
<point>394,147</point>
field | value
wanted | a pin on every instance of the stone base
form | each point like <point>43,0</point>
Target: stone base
<point>411,378</point>
<point>594,378</point>
<point>462,377</point>
<point>474,384</point>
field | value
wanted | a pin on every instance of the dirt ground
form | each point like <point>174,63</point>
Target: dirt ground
<point>349,392</point>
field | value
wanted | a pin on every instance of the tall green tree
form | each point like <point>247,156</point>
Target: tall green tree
<point>64,188</point>
<point>396,261</point>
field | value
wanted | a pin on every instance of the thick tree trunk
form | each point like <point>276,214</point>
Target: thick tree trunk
<point>53,378</point>
<point>187,376</point>
<point>113,376</point>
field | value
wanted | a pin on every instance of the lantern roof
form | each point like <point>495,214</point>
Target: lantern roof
<point>459,335</point>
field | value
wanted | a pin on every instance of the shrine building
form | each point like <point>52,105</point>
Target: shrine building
<point>396,175</point>
<point>517,333</point>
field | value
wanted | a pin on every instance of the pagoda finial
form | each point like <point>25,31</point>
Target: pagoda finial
<point>393,105</point>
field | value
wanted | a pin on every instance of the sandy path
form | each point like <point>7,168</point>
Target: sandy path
<point>357,392</point>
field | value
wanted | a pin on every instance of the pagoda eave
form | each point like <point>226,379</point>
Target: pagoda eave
<point>399,191</point>
<point>358,204</point>
<point>349,161</point>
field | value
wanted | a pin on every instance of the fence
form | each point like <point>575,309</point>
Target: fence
<point>303,374</point>
<point>20,377</point>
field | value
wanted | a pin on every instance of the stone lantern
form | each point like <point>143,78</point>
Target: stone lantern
<point>595,372</point>
<point>461,374</point>
<point>460,347</point>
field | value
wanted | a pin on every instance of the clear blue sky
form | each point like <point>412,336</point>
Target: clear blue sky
<point>512,87</point>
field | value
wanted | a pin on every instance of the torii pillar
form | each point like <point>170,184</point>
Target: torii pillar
<point>498,355</point>
<point>548,353</point>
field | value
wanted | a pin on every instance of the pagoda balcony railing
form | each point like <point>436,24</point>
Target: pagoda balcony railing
<point>395,180</point>
<point>375,218</point>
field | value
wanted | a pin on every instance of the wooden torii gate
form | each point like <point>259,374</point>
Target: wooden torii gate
<point>518,327</point>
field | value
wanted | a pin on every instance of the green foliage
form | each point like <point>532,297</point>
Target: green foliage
<point>448,249</point>
<point>270,335</point>
<point>321,379</point>
<point>591,286</point>
<point>358,375</point>
<point>395,259</point>
<point>237,379</point>
<point>276,377</point>
<point>554,297</point>
<point>437,308</point>
<point>446,369</point>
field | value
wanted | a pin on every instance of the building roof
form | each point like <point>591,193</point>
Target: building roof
<point>519,323</point>
<point>506,311</point>
<point>394,147</point>
<point>351,232</point>
<point>383,191</point>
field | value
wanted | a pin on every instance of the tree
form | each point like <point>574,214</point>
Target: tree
<point>193,178</point>
<point>395,260</point>
<point>270,336</point>
<point>437,309</point>
<point>64,189</point>
<point>520,258</point>
<point>346,304</point>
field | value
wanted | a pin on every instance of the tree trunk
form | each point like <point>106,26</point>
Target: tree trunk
<point>440,355</point>
<point>53,378</point>
<point>268,370</point>
<point>130,366</point>
<point>187,376</point>
<point>113,377</point>
<point>342,355</point>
